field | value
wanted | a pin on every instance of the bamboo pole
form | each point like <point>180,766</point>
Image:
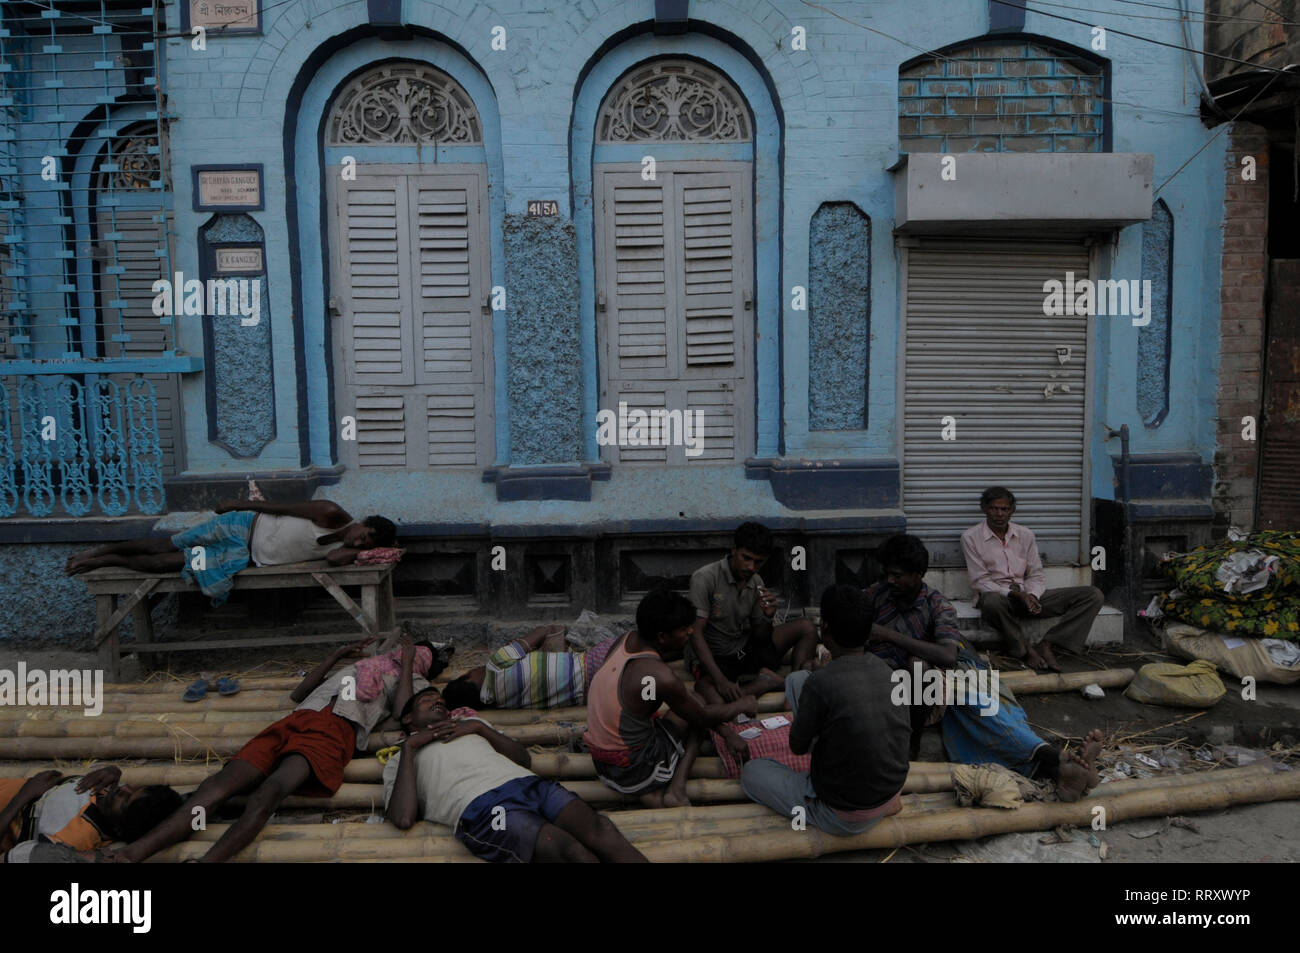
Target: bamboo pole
<point>371,796</point>
<point>1028,683</point>
<point>971,823</point>
<point>182,743</point>
<point>702,791</point>
<point>768,838</point>
<point>177,686</point>
<point>177,716</point>
<point>632,827</point>
<point>923,776</point>
<point>268,699</point>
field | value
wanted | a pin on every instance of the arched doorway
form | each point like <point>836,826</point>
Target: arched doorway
<point>674,264</point>
<point>410,270</point>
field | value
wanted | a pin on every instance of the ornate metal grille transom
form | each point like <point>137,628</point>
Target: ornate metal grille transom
<point>673,101</point>
<point>137,168</point>
<point>401,104</point>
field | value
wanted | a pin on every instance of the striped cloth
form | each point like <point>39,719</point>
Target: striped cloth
<point>773,743</point>
<point>224,541</point>
<point>518,678</point>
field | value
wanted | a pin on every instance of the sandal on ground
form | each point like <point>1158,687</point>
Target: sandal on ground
<point>227,686</point>
<point>196,692</point>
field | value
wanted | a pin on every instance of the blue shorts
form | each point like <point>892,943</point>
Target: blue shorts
<point>528,803</point>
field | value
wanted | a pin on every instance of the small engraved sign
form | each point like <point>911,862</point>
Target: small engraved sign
<point>234,261</point>
<point>229,188</point>
<point>543,207</point>
<point>236,16</point>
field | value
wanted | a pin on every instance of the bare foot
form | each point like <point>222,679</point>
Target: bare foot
<point>1078,772</point>
<point>765,681</point>
<point>79,564</point>
<point>1049,658</point>
<point>1034,660</point>
<point>676,799</point>
<point>653,799</point>
<point>1072,783</point>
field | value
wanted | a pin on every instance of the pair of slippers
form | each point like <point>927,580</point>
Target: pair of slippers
<point>198,690</point>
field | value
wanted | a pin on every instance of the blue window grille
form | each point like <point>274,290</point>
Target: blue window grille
<point>1002,96</point>
<point>89,410</point>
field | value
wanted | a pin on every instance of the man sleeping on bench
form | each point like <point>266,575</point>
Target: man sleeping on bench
<point>244,533</point>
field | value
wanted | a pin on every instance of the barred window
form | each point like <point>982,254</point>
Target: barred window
<point>1000,96</point>
<point>89,402</point>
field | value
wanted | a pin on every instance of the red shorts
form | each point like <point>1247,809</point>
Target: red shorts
<point>322,737</point>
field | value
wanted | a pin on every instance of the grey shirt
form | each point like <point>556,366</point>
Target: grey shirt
<point>365,715</point>
<point>859,738</point>
<point>732,613</point>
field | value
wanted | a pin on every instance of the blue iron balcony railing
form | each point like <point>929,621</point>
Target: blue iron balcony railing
<point>79,444</point>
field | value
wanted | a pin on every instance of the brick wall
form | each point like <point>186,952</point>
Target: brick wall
<point>1244,275</point>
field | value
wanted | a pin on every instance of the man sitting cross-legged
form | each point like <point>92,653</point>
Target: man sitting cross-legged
<point>524,674</point>
<point>635,750</point>
<point>911,624</point>
<point>458,771</point>
<point>244,533</point>
<point>845,714</point>
<point>1006,573</point>
<point>76,813</point>
<point>734,646</point>
<point>915,630</point>
<point>303,753</point>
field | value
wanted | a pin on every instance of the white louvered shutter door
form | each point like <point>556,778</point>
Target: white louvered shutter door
<point>449,320</point>
<point>638,219</point>
<point>979,349</point>
<point>375,272</point>
<point>674,267</point>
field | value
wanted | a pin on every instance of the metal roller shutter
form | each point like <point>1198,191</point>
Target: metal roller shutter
<point>978,348</point>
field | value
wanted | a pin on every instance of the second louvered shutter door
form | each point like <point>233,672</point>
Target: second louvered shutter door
<point>674,267</point>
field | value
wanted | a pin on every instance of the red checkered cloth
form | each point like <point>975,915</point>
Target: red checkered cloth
<point>379,555</point>
<point>773,743</point>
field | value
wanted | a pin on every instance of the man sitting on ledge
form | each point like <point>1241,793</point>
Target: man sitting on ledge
<point>244,532</point>
<point>1006,573</point>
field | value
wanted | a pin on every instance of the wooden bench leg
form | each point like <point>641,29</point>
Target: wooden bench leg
<point>363,619</point>
<point>109,660</point>
<point>370,606</point>
<point>387,605</point>
<point>142,619</point>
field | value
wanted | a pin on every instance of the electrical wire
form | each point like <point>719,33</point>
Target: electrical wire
<point>1137,36</point>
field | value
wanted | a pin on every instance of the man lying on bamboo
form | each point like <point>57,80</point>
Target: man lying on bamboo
<point>532,672</point>
<point>455,769</point>
<point>303,753</point>
<point>49,817</point>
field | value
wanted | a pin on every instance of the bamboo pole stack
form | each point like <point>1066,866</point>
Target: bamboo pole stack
<point>748,836</point>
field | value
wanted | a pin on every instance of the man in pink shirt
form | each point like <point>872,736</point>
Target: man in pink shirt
<point>1007,575</point>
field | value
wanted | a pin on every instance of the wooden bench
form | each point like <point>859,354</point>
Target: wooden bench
<point>375,615</point>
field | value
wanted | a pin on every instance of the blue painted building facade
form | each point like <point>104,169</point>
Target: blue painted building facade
<point>841,126</point>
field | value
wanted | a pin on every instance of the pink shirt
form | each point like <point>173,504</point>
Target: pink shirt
<point>993,564</point>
